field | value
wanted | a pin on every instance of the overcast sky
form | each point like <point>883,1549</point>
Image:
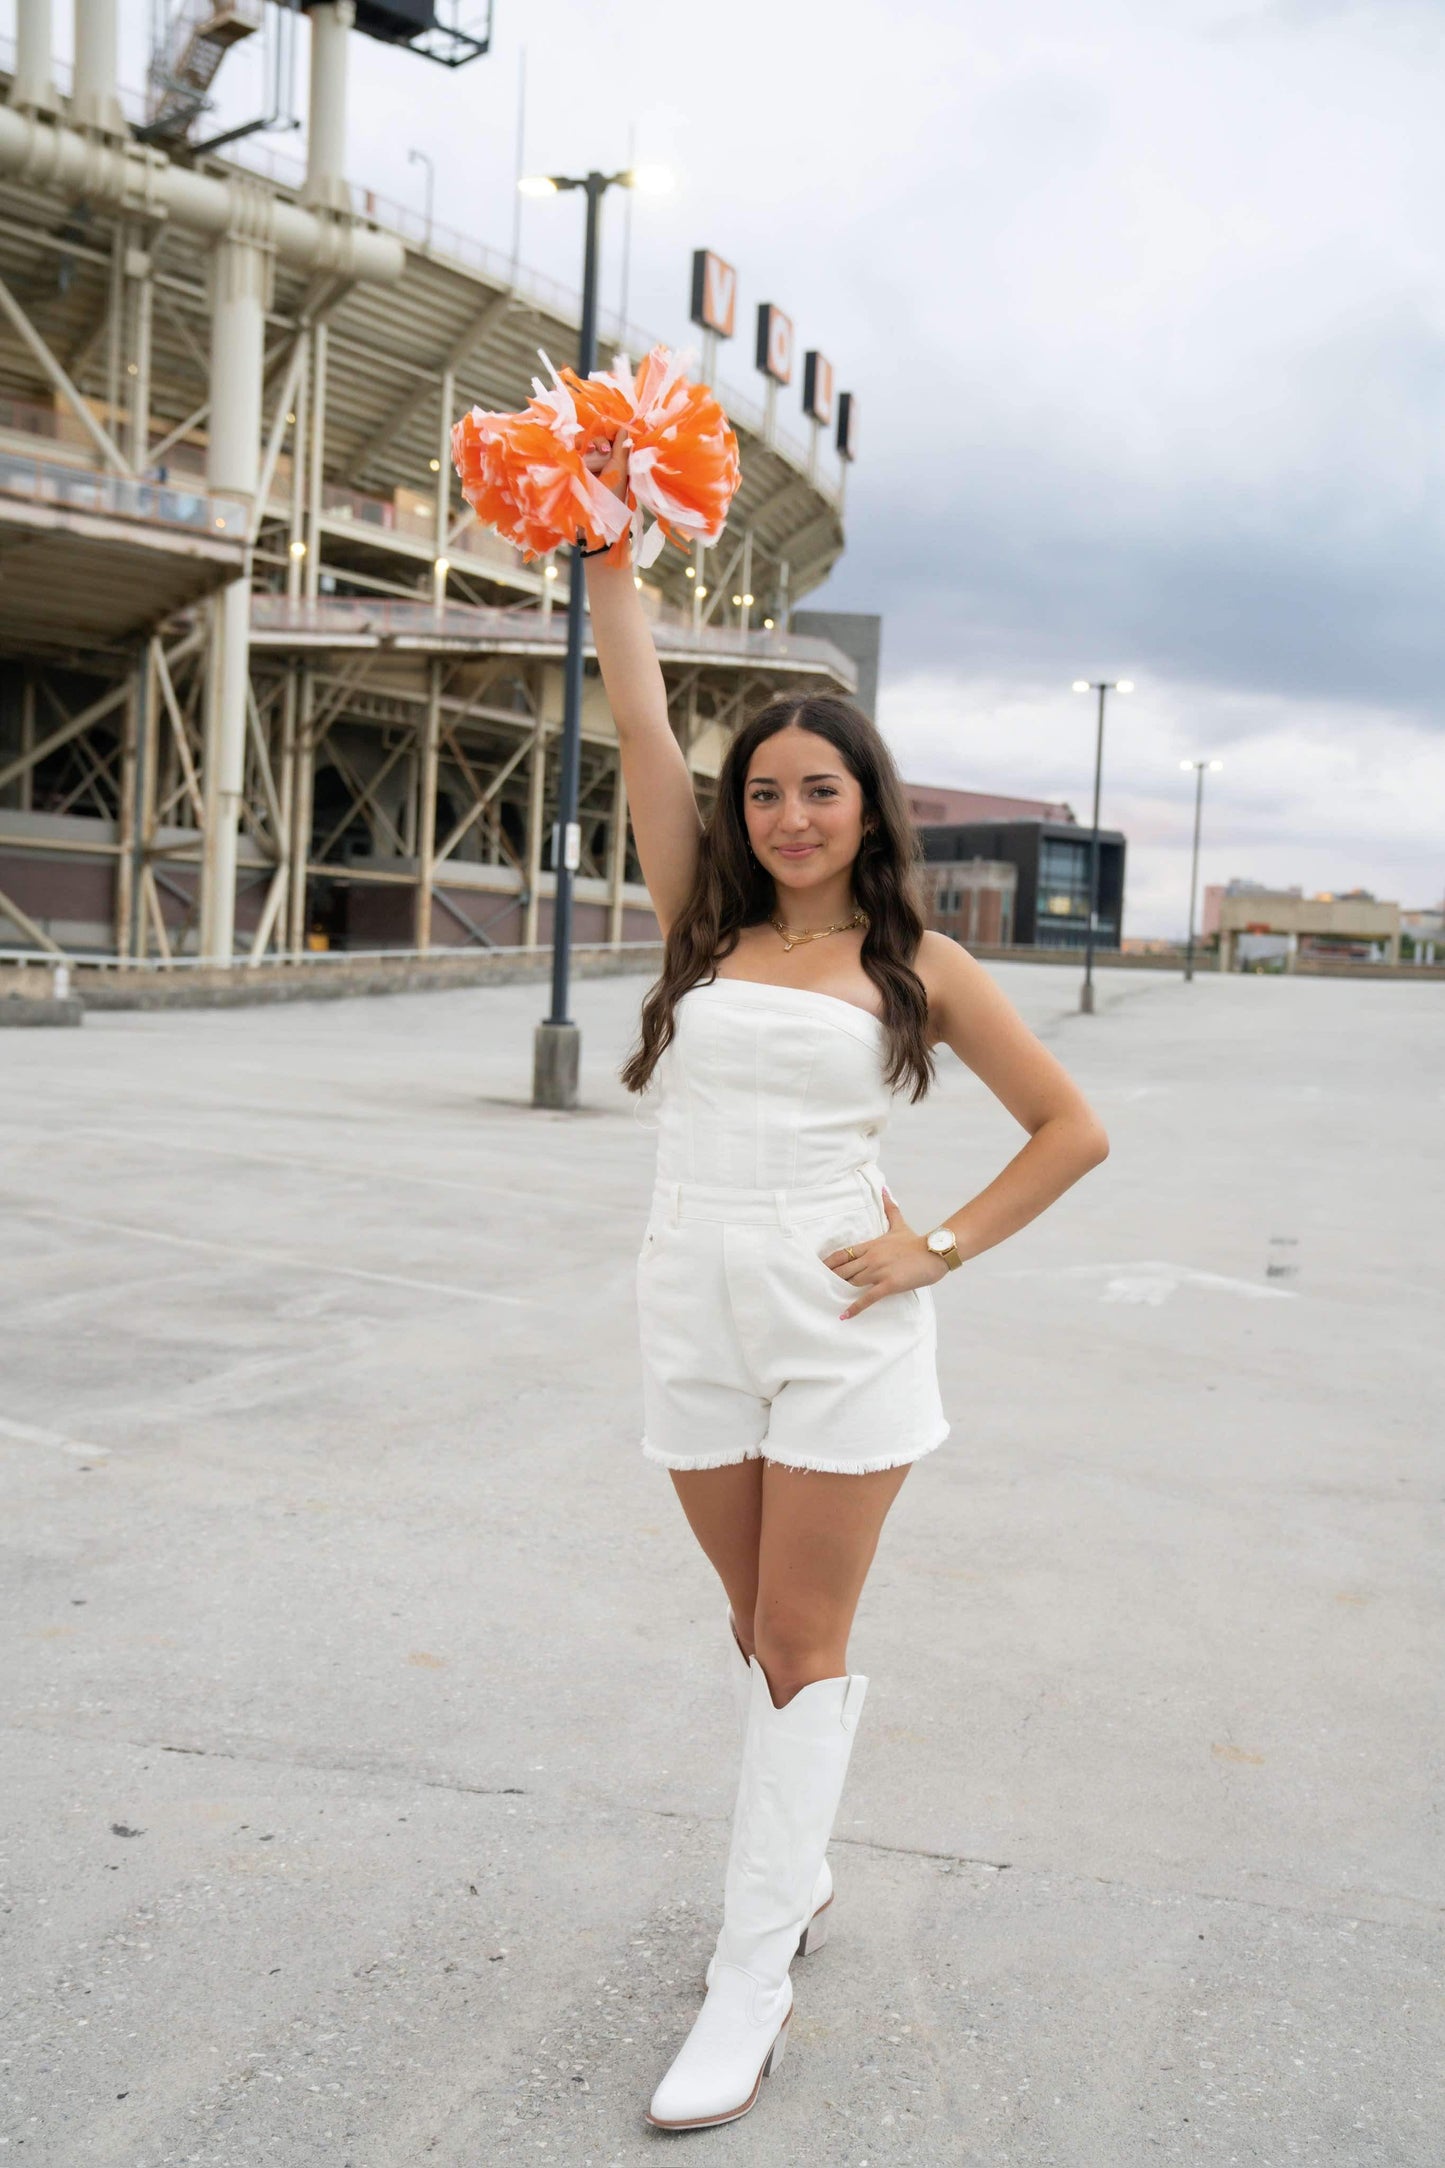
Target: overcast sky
<point>1144,309</point>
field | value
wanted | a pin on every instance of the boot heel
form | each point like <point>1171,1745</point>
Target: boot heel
<point>815,1934</point>
<point>775,2052</point>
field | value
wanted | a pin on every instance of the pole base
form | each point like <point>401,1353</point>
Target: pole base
<point>1086,999</point>
<point>556,1063</point>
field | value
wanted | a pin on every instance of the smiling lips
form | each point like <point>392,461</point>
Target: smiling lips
<point>795,850</point>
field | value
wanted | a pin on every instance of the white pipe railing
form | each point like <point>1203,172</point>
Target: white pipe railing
<point>134,177</point>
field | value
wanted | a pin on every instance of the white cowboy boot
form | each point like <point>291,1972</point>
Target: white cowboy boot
<point>815,1934</point>
<point>795,1760</point>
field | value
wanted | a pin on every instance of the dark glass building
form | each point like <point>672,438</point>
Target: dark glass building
<point>1051,859</point>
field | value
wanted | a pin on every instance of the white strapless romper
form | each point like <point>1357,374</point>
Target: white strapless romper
<point>770,1103</point>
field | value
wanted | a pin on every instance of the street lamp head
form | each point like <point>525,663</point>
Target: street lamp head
<point>1124,685</point>
<point>536,184</point>
<point>1216,764</point>
<point>1188,765</point>
<point>648,180</point>
<point>1081,685</point>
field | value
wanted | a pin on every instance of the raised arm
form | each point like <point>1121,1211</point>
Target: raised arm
<point>663,805</point>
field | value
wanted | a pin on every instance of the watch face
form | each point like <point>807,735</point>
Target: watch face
<point>941,1239</point>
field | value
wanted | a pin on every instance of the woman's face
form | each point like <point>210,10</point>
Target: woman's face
<point>804,808</point>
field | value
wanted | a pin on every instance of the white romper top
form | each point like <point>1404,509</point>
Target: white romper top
<point>769,1103</point>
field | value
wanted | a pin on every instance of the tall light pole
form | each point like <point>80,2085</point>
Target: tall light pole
<point>1101,686</point>
<point>423,158</point>
<point>1199,767</point>
<point>557,1045</point>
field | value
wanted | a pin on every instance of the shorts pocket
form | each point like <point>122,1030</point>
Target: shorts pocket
<point>821,1245</point>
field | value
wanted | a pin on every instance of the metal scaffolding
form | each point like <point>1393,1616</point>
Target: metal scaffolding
<point>263,681</point>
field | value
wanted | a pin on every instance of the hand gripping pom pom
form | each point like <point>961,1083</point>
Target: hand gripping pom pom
<point>523,473</point>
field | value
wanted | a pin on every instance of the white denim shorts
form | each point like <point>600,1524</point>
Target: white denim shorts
<point>744,1353</point>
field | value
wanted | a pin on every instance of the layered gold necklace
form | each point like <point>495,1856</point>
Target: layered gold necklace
<point>791,940</point>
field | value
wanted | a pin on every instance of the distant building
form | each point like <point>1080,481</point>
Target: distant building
<point>1216,892</point>
<point>933,807</point>
<point>1050,861</point>
<point>1262,922</point>
<point>973,901</point>
<point>859,635</point>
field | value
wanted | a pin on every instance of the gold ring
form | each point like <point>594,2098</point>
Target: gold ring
<point>850,1249</point>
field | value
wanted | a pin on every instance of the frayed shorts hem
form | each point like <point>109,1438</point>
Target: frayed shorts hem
<point>810,1463</point>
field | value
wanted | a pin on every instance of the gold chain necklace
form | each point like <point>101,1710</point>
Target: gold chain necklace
<point>791,940</point>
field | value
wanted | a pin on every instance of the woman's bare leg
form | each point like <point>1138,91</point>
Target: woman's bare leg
<point>819,1534</point>
<point>724,1508</point>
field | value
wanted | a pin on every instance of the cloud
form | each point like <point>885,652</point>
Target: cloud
<point>1142,310</point>
<point>1324,795</point>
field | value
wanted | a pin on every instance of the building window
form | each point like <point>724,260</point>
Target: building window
<point>1063,879</point>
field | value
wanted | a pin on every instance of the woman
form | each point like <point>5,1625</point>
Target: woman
<point>799,993</point>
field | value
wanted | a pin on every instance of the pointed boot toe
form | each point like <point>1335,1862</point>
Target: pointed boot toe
<point>737,2039</point>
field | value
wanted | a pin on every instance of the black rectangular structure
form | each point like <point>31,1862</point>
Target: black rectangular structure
<point>1051,908</point>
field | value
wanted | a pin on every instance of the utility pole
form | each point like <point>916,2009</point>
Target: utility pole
<point>1101,686</point>
<point>1199,767</point>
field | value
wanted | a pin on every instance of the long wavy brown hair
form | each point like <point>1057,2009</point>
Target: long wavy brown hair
<point>732,891</point>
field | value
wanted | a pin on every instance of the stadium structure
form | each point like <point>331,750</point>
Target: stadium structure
<point>263,680</point>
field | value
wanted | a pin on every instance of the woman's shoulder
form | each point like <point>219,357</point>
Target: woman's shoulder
<point>945,968</point>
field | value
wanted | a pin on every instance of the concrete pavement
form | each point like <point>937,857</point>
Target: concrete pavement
<point>367,1747</point>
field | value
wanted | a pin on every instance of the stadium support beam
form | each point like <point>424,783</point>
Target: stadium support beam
<point>536,789</point>
<point>456,357</point>
<point>33,90</point>
<point>325,186</point>
<point>240,279</point>
<point>31,338</point>
<point>427,808</point>
<point>95,101</point>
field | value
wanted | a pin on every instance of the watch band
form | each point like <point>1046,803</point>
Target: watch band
<point>949,1255</point>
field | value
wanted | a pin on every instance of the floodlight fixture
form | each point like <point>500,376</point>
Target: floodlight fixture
<point>648,180</point>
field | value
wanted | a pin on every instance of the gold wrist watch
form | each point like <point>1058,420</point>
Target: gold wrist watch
<point>944,1243</point>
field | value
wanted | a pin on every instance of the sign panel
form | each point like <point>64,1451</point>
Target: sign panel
<point>714,293</point>
<point>775,343</point>
<point>847,426</point>
<point>817,386</point>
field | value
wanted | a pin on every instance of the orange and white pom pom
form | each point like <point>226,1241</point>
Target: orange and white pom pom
<point>523,474</point>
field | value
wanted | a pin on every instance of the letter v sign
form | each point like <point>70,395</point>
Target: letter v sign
<point>714,293</point>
